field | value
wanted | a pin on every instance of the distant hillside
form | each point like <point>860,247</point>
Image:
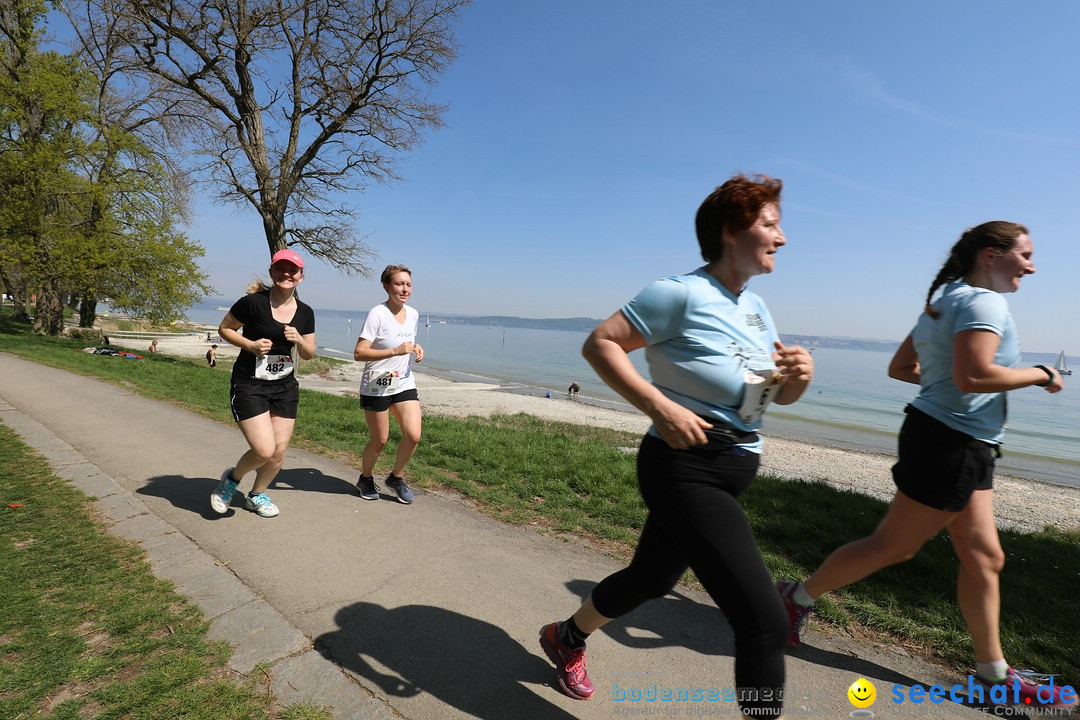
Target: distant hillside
<point>584,324</point>
<point>580,324</point>
<point>840,343</point>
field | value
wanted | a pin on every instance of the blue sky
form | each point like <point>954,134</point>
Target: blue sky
<point>582,135</point>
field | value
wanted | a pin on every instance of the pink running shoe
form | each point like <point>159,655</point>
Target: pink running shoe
<point>797,614</point>
<point>570,663</point>
<point>1035,689</point>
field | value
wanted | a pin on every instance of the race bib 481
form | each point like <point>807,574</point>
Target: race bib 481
<point>385,384</point>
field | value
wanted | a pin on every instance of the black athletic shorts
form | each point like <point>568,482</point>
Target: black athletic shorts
<point>382,403</point>
<point>249,400</point>
<point>938,466</point>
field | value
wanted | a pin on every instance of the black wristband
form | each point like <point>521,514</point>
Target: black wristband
<point>1049,376</point>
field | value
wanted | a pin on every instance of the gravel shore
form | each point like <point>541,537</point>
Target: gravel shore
<point>1020,504</point>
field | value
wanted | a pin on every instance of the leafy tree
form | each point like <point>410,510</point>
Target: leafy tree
<point>42,111</point>
<point>136,168</point>
<point>289,104</point>
<point>86,209</point>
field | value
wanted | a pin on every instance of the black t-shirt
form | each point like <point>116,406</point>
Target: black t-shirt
<point>255,313</point>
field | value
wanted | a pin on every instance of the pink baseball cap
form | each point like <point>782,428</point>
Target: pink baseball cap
<point>287,256</point>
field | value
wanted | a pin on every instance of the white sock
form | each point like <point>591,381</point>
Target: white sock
<point>800,596</point>
<point>996,670</point>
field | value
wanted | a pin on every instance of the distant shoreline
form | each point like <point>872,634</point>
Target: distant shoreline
<point>1021,502</point>
<point>1038,469</point>
<point>778,423</point>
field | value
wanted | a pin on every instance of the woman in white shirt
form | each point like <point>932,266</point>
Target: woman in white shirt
<point>386,345</point>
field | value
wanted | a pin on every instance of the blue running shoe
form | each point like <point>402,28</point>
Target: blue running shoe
<point>222,495</point>
<point>398,485</point>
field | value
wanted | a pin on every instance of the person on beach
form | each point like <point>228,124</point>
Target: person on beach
<point>387,345</point>
<point>211,356</point>
<point>573,390</point>
<point>716,362</point>
<point>263,392</point>
<point>964,354</point>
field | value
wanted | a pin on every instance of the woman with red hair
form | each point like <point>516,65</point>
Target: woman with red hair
<point>716,362</point>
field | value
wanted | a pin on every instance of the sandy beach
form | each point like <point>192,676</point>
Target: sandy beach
<point>1020,504</point>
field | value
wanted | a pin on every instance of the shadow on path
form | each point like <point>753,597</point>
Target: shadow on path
<point>671,621</point>
<point>469,664</point>
<point>676,620</point>
<point>193,493</point>
<point>849,663</point>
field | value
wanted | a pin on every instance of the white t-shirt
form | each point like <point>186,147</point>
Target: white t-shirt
<point>393,374</point>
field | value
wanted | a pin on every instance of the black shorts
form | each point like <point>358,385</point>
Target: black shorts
<point>938,466</point>
<point>249,400</point>
<point>382,403</point>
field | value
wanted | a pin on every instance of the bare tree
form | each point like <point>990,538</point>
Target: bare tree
<point>126,100</point>
<point>297,102</point>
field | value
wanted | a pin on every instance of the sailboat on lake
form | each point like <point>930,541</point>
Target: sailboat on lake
<point>1060,366</point>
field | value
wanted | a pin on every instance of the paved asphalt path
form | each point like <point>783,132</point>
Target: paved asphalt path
<point>381,610</point>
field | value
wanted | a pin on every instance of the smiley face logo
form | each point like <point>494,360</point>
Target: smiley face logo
<point>862,693</point>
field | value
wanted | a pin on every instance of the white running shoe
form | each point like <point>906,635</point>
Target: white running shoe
<point>261,504</point>
<point>222,495</point>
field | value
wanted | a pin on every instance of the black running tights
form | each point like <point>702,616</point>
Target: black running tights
<point>695,521</point>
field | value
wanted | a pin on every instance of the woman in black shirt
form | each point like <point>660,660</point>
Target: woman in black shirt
<point>264,394</point>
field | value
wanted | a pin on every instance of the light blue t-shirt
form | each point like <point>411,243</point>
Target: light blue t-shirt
<point>705,345</point>
<point>963,307</point>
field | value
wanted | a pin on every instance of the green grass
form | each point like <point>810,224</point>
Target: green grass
<point>87,630</point>
<point>573,479</point>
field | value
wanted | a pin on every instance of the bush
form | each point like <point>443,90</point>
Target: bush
<point>92,336</point>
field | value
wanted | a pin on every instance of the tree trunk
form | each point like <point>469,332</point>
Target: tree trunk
<point>274,227</point>
<point>49,310</point>
<point>17,292</point>
<point>87,311</point>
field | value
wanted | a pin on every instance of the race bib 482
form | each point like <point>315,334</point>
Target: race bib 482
<point>273,367</point>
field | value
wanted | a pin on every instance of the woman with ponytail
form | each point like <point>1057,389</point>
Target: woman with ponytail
<point>272,328</point>
<point>964,354</point>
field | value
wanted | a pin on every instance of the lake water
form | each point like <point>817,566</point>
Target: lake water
<point>852,403</point>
